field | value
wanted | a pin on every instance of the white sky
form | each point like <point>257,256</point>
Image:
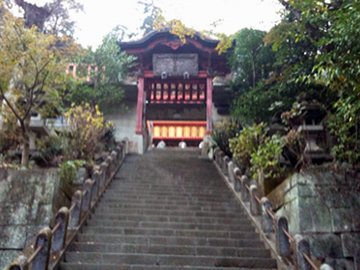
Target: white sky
<point>101,16</point>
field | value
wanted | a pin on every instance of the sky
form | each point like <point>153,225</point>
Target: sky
<point>101,16</point>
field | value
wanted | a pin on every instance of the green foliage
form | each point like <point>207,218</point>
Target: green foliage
<point>317,45</point>
<point>86,126</point>
<point>110,67</point>
<point>227,129</point>
<point>254,106</point>
<point>252,63</point>
<point>345,125</point>
<point>31,71</point>
<point>251,58</point>
<point>178,28</point>
<point>68,170</point>
<point>247,143</point>
<point>108,136</point>
<point>267,158</point>
<point>52,146</point>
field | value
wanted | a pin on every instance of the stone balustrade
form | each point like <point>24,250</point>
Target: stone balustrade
<point>50,244</point>
<point>288,248</point>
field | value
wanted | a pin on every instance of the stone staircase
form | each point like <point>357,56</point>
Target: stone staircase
<point>168,209</point>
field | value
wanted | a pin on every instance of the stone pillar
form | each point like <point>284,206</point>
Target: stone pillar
<point>140,105</point>
<point>255,207</point>
<point>266,221</point>
<point>282,241</point>
<point>237,176</point>
<point>59,236</point>
<point>209,88</point>
<point>301,247</point>
<point>245,181</point>
<point>41,261</point>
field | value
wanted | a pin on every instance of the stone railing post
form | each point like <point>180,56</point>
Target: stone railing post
<point>237,176</point>
<point>114,156</point>
<point>216,155</point>
<point>255,206</point>
<point>110,164</point>
<point>43,241</point>
<point>21,263</point>
<point>282,241</point>
<point>266,219</point>
<point>245,181</point>
<point>97,179</point>
<point>226,160</point>
<point>221,160</point>
<point>119,151</point>
<point>75,209</point>
<point>59,235</point>
<point>87,194</point>
<point>126,146</point>
<point>230,167</point>
<point>302,247</point>
<point>104,169</point>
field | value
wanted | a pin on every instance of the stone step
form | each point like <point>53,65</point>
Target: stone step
<point>119,207</point>
<point>170,189</point>
<point>160,199</point>
<point>162,259</point>
<point>162,202</point>
<point>239,218</point>
<point>173,225</point>
<point>82,266</point>
<point>219,214</point>
<point>189,207</point>
<point>175,250</point>
<point>172,232</point>
<point>168,240</point>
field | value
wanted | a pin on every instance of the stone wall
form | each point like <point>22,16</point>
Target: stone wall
<point>28,202</point>
<point>325,208</point>
<point>125,123</point>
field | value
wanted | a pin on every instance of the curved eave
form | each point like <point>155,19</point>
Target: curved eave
<point>154,38</point>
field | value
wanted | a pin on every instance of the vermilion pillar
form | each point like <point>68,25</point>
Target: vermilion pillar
<point>140,105</point>
<point>209,89</point>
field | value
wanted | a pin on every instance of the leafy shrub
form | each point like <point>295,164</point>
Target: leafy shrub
<point>267,158</point>
<point>68,170</point>
<point>247,143</point>
<point>86,126</point>
<point>229,128</point>
<point>9,135</point>
<point>108,137</point>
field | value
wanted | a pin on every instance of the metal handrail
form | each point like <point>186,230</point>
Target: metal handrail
<point>310,261</point>
<point>36,252</point>
<point>56,227</point>
<point>288,236</point>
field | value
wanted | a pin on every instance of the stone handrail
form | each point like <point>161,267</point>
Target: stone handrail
<point>290,249</point>
<point>50,245</point>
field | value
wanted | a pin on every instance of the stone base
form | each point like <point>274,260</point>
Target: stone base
<point>28,202</point>
<point>325,209</point>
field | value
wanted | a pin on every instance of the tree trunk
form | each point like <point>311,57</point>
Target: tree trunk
<point>253,68</point>
<point>25,142</point>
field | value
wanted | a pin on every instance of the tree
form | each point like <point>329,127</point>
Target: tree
<point>330,28</point>
<point>179,29</point>
<point>252,62</point>
<point>31,69</point>
<point>53,17</point>
<point>151,11</point>
<point>109,67</point>
<point>251,59</point>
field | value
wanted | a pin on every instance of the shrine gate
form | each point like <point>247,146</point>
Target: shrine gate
<point>176,85</point>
